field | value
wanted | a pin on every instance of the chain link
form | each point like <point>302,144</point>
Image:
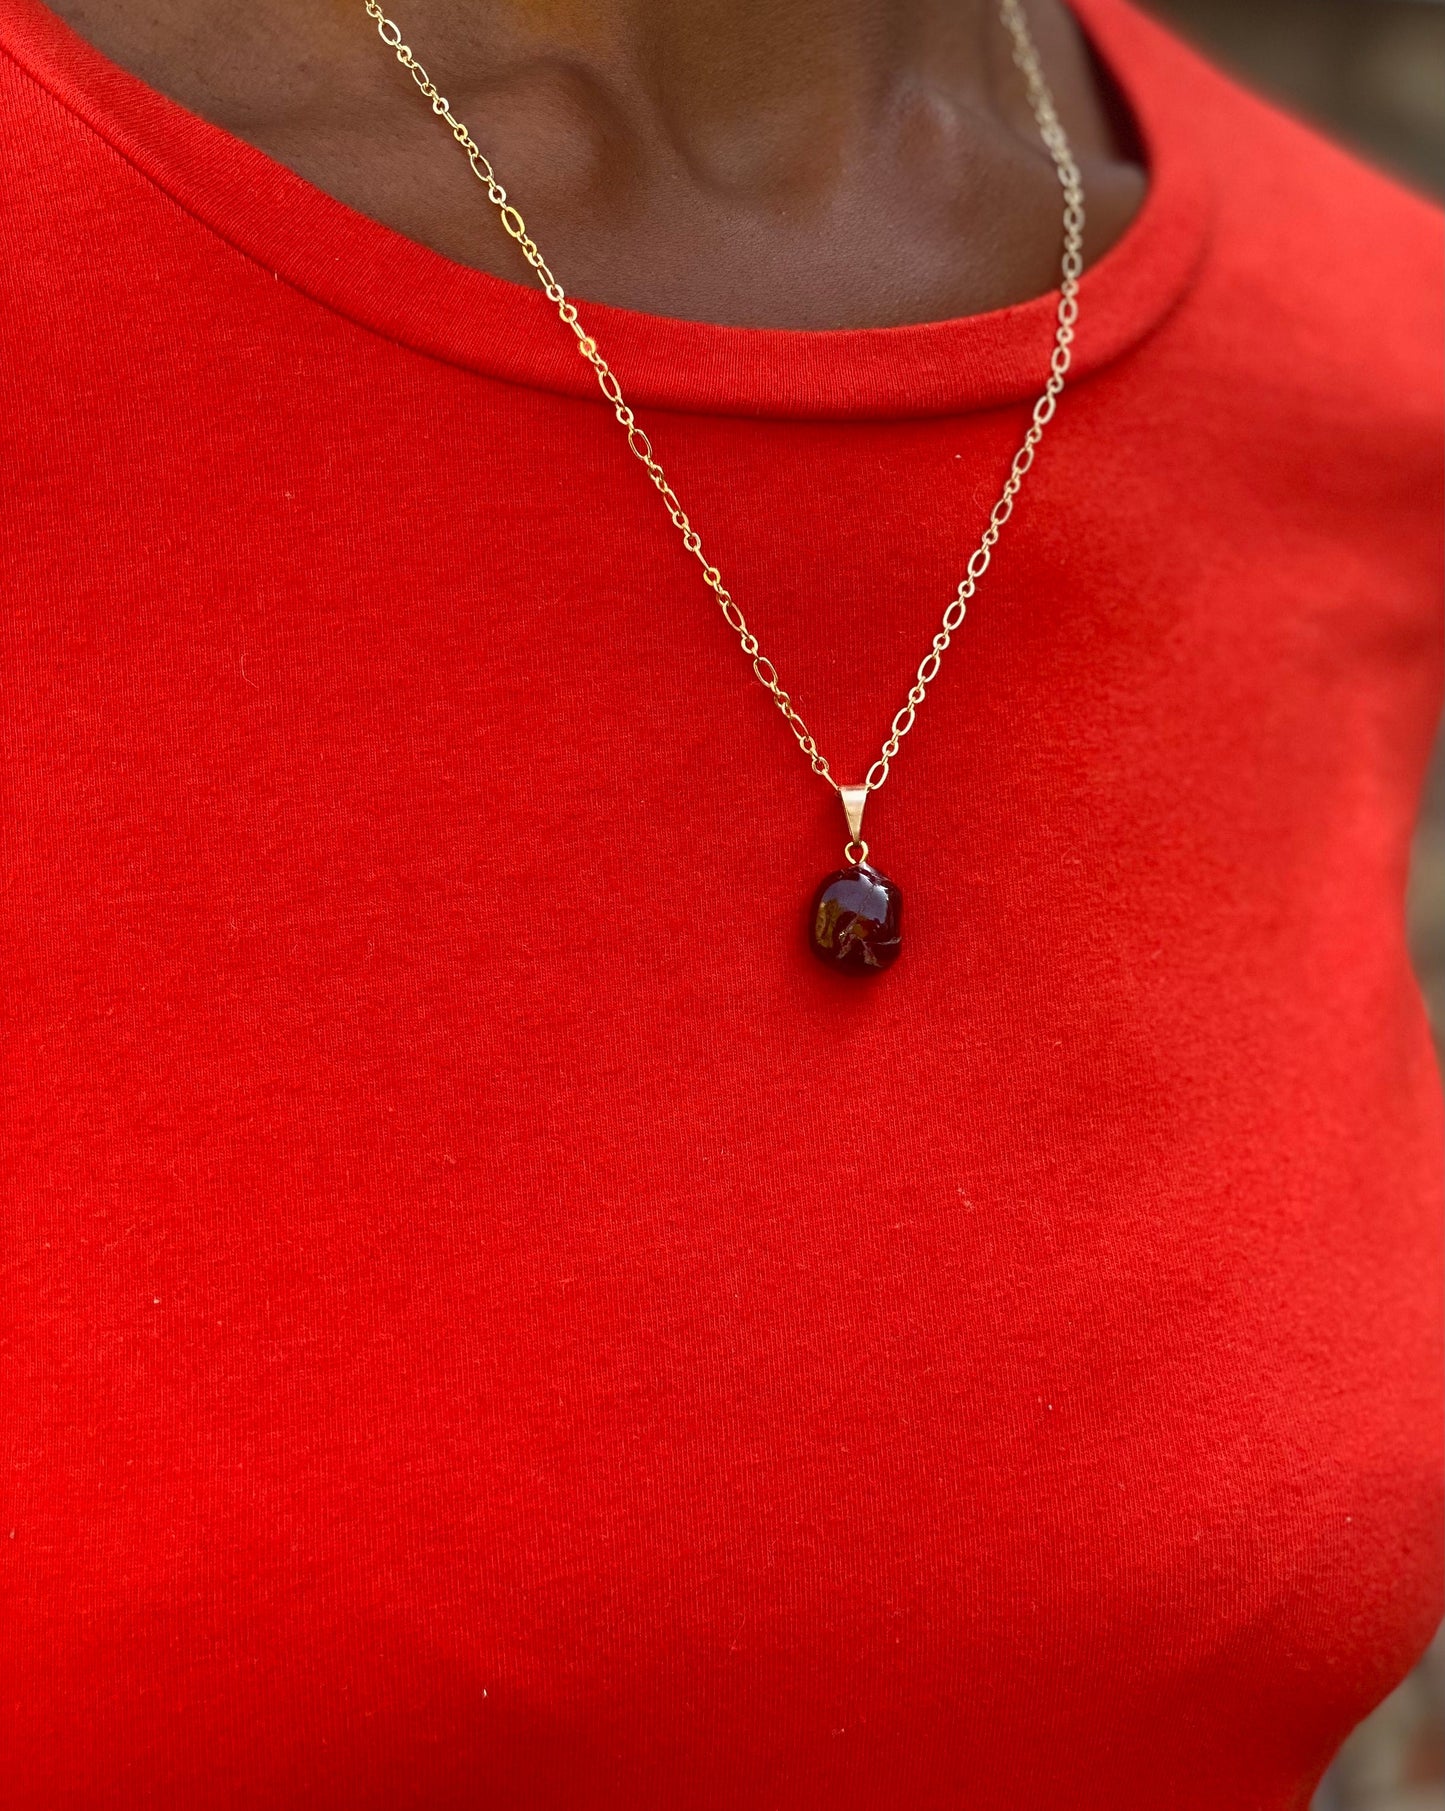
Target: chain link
<point>1056,142</point>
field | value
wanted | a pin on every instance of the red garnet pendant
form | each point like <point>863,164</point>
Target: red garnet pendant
<point>854,922</point>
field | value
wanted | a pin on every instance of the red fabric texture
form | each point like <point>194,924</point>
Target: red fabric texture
<point>489,1321</point>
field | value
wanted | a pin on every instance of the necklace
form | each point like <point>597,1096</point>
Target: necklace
<point>854,921</point>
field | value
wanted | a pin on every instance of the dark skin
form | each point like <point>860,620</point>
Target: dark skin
<point>785,163</point>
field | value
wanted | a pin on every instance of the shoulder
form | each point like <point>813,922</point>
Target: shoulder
<point>1314,256</point>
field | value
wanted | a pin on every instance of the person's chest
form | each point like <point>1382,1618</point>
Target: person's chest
<point>462,1236</point>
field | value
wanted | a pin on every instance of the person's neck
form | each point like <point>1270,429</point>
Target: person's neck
<point>806,163</point>
<point>765,98</point>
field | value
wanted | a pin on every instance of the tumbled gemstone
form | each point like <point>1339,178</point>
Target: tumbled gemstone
<point>854,924</point>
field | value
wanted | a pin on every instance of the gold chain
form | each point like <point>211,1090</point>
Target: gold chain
<point>1056,142</point>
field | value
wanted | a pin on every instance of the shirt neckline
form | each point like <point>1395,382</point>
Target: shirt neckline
<point>383,281</point>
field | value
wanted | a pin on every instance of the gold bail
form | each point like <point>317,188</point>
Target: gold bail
<point>854,799</point>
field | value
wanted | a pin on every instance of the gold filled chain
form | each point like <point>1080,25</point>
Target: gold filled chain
<point>1056,142</point>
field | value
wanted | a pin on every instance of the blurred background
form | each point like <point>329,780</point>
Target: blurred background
<point>1372,72</point>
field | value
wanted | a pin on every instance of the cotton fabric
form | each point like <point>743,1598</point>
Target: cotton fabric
<point>490,1320</point>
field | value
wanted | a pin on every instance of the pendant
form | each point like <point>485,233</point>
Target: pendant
<point>854,922</point>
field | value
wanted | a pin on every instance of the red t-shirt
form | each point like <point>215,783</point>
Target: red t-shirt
<point>490,1321</point>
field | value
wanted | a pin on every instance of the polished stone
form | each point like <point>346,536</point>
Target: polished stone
<point>854,922</point>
